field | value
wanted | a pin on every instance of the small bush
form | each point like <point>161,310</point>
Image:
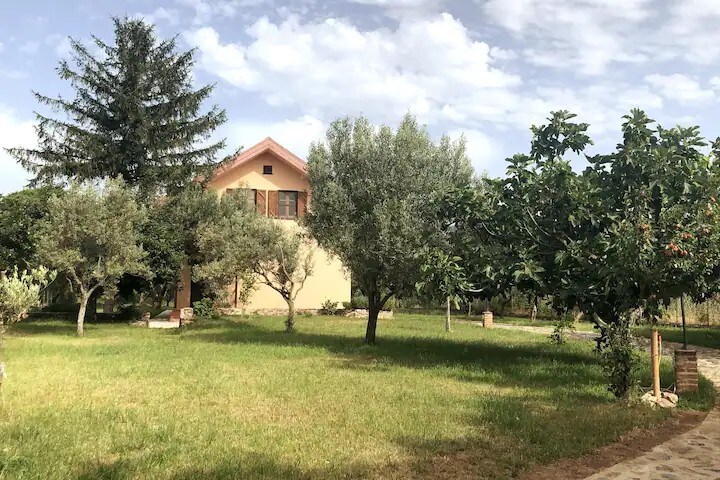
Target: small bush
<point>562,328</point>
<point>618,357</point>
<point>347,305</point>
<point>204,308</point>
<point>329,307</point>
<point>361,302</point>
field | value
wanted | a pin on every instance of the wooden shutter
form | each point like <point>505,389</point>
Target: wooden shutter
<point>260,201</point>
<point>272,203</point>
<point>302,204</point>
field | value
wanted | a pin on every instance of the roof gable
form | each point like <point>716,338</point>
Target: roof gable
<point>267,145</point>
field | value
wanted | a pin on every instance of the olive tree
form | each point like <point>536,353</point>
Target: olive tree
<point>375,197</point>
<point>256,249</point>
<point>91,235</point>
<point>19,292</point>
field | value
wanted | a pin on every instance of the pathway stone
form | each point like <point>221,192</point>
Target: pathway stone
<point>694,455</point>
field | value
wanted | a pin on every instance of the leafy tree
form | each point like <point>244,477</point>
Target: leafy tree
<point>636,229</point>
<point>135,114</point>
<point>444,280</point>
<point>20,213</point>
<point>376,193</point>
<point>170,238</point>
<point>254,249</point>
<point>91,236</point>
<point>19,292</point>
<point>477,227</point>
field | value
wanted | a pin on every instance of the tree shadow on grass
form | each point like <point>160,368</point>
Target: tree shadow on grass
<point>53,327</point>
<point>489,360</point>
<point>517,433</point>
<point>244,466</point>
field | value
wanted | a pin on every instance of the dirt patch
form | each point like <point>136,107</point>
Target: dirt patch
<point>629,446</point>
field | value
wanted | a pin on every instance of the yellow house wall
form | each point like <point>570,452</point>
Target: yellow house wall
<point>329,280</point>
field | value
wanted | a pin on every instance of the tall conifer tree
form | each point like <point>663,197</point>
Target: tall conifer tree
<point>135,114</point>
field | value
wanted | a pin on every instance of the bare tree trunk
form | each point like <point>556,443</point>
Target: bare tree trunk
<point>447,315</point>
<point>373,312</point>
<point>81,314</point>
<point>290,321</point>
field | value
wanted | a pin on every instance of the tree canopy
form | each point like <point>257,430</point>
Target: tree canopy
<point>135,114</point>
<point>20,213</point>
<point>91,235</point>
<point>375,197</point>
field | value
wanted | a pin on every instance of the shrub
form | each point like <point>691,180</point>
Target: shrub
<point>204,308</point>
<point>347,305</point>
<point>562,328</point>
<point>361,302</point>
<point>329,307</point>
<point>618,357</point>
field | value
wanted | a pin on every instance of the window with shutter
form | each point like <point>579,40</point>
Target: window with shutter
<point>287,204</point>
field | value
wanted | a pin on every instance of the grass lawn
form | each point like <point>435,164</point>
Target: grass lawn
<point>701,337</point>
<point>526,322</point>
<point>241,399</point>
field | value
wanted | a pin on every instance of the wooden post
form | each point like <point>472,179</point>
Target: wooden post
<point>684,327</point>
<point>447,315</point>
<point>655,363</point>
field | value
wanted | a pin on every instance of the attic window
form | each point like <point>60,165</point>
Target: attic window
<point>267,169</point>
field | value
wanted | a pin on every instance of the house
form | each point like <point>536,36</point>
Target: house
<point>276,181</point>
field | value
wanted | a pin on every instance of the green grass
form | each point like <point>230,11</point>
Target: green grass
<point>701,337</point>
<point>526,322</point>
<point>241,399</point>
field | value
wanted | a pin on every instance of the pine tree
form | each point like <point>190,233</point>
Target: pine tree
<point>134,115</point>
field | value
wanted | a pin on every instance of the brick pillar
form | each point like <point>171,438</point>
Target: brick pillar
<point>487,319</point>
<point>686,372</point>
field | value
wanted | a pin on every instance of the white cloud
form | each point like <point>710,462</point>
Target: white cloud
<point>228,62</point>
<point>62,46</point>
<point>13,133</point>
<point>161,14</point>
<point>580,35</point>
<point>30,48</point>
<point>482,150</point>
<point>206,10</point>
<point>13,74</point>
<point>295,135</point>
<point>680,88</point>
<point>331,68</point>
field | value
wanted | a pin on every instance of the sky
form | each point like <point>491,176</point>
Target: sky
<point>485,69</point>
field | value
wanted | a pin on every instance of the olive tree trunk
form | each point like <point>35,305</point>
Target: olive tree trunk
<point>373,312</point>
<point>290,320</point>
<point>81,315</point>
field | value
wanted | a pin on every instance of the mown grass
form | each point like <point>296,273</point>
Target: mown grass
<point>580,326</point>
<point>701,337</point>
<point>241,399</point>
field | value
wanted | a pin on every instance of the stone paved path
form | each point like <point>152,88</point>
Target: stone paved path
<point>694,455</point>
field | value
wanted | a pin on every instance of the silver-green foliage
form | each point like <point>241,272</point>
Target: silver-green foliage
<point>375,196</point>
<point>91,235</point>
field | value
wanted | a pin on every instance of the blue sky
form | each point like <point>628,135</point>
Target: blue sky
<point>487,69</point>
